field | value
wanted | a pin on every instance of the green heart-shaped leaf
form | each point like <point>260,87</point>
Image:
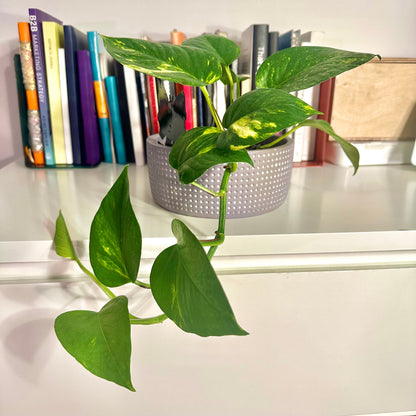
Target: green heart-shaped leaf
<point>186,288</point>
<point>115,237</point>
<point>301,67</point>
<point>100,341</point>
<point>224,49</point>
<point>257,115</point>
<point>182,64</point>
<point>350,150</point>
<point>195,152</point>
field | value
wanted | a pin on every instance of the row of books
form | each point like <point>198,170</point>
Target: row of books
<point>71,109</point>
<point>78,106</point>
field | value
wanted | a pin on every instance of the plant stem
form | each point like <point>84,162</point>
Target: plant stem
<point>212,108</point>
<point>278,139</point>
<point>218,240</point>
<point>230,78</point>
<point>104,288</point>
<point>230,168</point>
<point>134,320</point>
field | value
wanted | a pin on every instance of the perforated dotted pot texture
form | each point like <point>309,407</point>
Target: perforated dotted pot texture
<point>251,190</point>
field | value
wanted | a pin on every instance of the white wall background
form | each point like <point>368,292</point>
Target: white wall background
<point>386,27</point>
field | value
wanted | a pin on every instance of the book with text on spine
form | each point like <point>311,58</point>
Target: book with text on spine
<point>36,17</point>
<point>29,82</point>
<point>254,50</point>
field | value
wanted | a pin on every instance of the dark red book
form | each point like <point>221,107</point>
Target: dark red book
<point>326,97</point>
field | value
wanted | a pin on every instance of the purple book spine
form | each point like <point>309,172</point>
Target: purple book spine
<point>89,113</point>
<point>36,17</point>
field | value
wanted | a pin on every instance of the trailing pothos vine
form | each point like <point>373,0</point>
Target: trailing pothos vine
<point>182,280</point>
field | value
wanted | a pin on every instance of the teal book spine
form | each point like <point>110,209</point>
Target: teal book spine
<point>101,103</point>
<point>110,84</point>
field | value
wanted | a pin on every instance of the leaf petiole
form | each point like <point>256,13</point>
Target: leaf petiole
<point>207,190</point>
<point>142,284</point>
<point>280,138</point>
<point>212,108</point>
<point>134,320</point>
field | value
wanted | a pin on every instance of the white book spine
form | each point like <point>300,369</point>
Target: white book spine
<point>134,113</point>
<point>65,106</point>
<point>298,135</point>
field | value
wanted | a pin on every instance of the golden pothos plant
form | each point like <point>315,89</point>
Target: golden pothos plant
<point>182,280</point>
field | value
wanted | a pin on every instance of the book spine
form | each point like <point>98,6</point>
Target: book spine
<point>90,128</point>
<point>189,121</point>
<point>152,96</point>
<point>53,39</point>
<point>273,43</point>
<point>260,49</point>
<point>36,17</point>
<point>200,107</point>
<point>124,109</point>
<point>135,116</point>
<point>102,109</point>
<point>28,73</point>
<point>326,98</point>
<point>21,96</point>
<point>65,106</point>
<point>298,135</point>
<point>144,103</point>
<point>74,40</point>
<point>177,38</point>
<point>110,84</point>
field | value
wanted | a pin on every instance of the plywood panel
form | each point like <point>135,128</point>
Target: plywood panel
<point>376,101</point>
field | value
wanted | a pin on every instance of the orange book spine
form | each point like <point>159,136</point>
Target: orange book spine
<point>35,133</point>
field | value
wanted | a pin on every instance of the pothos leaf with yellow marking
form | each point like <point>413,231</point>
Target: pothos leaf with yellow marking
<point>176,63</point>
<point>257,115</point>
<point>188,291</point>
<point>301,67</point>
<point>196,151</point>
<point>115,237</point>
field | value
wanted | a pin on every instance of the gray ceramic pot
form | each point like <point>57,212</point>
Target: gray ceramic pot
<point>251,190</point>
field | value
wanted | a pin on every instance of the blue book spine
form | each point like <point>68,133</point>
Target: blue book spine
<point>110,84</point>
<point>36,17</point>
<point>74,41</point>
<point>101,103</point>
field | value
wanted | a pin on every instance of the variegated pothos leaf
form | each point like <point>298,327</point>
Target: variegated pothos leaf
<point>176,63</point>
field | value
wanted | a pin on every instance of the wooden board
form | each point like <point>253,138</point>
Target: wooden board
<point>376,101</point>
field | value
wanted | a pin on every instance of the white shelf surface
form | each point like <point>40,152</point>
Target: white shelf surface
<point>340,342</point>
<point>331,220</point>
